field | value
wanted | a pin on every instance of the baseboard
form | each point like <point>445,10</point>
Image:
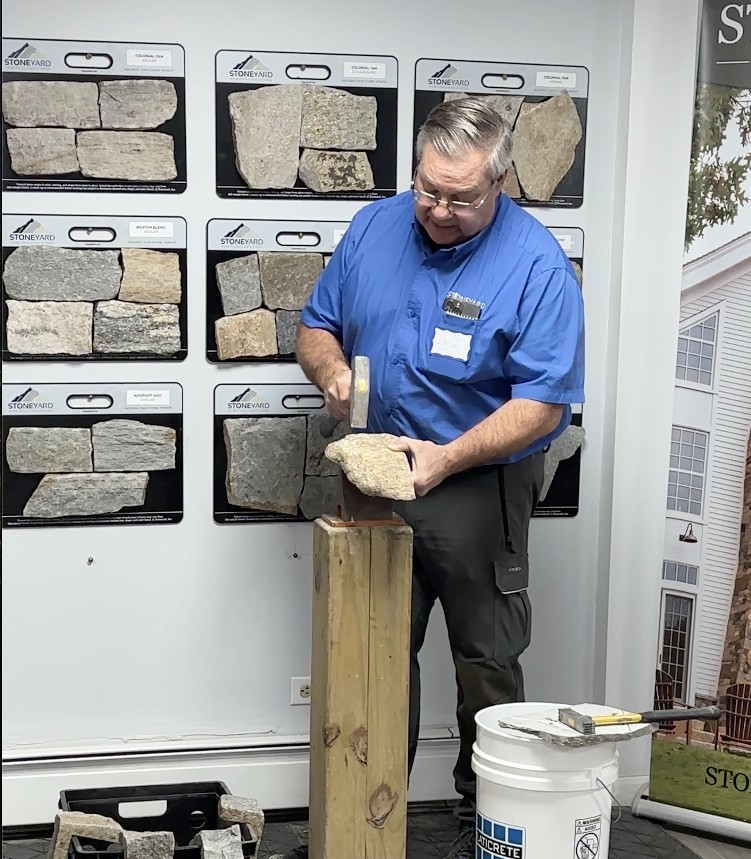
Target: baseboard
<point>277,778</point>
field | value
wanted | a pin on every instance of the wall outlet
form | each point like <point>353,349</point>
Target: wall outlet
<point>299,691</point>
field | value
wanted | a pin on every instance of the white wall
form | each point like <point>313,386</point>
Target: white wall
<point>187,636</point>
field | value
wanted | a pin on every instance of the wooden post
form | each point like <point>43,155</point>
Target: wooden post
<point>360,690</point>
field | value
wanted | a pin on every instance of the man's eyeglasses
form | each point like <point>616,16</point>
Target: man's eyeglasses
<point>454,206</point>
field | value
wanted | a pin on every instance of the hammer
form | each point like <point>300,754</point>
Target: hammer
<point>587,724</point>
<point>359,398</point>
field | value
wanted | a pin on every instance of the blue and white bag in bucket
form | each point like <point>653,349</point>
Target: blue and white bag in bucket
<point>536,800</point>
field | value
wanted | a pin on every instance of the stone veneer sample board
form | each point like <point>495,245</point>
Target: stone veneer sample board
<point>93,288</point>
<point>546,107</point>
<point>560,495</point>
<point>269,463</point>
<point>93,116</point>
<point>305,125</point>
<point>92,454</point>
<point>258,276</point>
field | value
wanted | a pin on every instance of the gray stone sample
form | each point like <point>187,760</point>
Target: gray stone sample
<point>325,171</point>
<point>72,823</point>
<point>138,104</point>
<point>150,277</point>
<point>286,331</point>
<point>137,156</point>
<point>265,462</point>
<point>39,450</point>
<point>240,809</point>
<point>545,140</point>
<point>148,845</point>
<point>511,185</point>
<point>49,327</point>
<point>288,278</point>
<point>266,134</point>
<point>220,843</point>
<point>42,151</point>
<point>335,119</point>
<point>320,495</point>
<point>372,467</point>
<point>239,283</point>
<point>55,104</point>
<point>322,430</point>
<point>564,447</point>
<point>42,273</point>
<point>507,105</point>
<point>128,327</point>
<point>86,494</point>
<point>128,445</point>
<point>246,335</point>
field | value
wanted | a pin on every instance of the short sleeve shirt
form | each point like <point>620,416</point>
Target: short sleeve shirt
<point>452,334</point>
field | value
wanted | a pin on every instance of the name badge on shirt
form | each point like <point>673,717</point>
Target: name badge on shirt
<point>452,344</point>
<point>465,308</point>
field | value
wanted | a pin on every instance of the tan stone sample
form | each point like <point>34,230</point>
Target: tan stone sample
<point>49,327</point>
<point>545,140</point>
<point>375,470</point>
<point>511,185</point>
<point>54,104</point>
<point>288,278</point>
<point>577,271</point>
<point>42,151</point>
<point>507,105</point>
<point>335,119</point>
<point>72,823</point>
<point>239,809</point>
<point>137,104</point>
<point>137,156</point>
<point>246,335</point>
<point>266,134</point>
<point>324,171</point>
<point>150,277</point>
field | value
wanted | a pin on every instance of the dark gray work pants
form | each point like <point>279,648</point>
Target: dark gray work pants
<point>477,568</point>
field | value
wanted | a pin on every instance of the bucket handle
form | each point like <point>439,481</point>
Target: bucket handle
<point>615,801</point>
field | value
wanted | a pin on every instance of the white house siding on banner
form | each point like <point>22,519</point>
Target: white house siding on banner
<point>711,422</point>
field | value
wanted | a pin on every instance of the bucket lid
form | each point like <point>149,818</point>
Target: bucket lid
<point>540,723</point>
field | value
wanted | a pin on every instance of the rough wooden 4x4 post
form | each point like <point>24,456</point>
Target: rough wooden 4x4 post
<point>360,690</point>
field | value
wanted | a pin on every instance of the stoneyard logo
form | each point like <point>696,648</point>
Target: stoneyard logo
<point>248,401</point>
<point>27,56</point>
<point>240,235</point>
<point>251,67</point>
<point>446,76</point>
<point>31,231</point>
<point>28,399</point>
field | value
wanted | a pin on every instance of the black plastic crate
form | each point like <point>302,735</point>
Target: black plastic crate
<point>188,809</point>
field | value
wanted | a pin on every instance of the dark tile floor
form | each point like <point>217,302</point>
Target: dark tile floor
<point>430,831</point>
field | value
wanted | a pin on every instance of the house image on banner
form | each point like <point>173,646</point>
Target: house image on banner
<point>705,623</point>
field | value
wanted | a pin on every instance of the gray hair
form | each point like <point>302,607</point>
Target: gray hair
<point>458,127</point>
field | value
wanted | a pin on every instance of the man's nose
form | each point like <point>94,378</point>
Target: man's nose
<point>441,212</point>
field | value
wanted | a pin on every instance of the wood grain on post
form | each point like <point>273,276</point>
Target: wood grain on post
<point>360,691</point>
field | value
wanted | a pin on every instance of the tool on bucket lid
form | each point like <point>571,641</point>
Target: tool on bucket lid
<point>359,398</point>
<point>590,724</point>
<point>584,724</point>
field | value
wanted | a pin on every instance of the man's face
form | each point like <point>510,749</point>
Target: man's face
<point>455,180</point>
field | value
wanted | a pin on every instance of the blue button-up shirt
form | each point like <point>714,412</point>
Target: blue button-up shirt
<point>435,375</point>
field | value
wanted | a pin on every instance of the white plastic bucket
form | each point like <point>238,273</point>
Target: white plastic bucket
<point>536,800</point>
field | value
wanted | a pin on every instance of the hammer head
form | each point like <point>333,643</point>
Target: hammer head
<point>578,721</point>
<point>359,397</point>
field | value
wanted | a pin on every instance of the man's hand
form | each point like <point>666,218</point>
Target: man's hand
<point>430,462</point>
<point>336,395</point>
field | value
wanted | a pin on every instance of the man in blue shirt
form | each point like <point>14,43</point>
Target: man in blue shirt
<point>472,318</point>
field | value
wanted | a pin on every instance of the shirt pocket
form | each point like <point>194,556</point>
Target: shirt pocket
<point>452,347</point>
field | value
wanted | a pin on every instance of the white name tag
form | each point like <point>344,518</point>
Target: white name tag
<point>452,344</point>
